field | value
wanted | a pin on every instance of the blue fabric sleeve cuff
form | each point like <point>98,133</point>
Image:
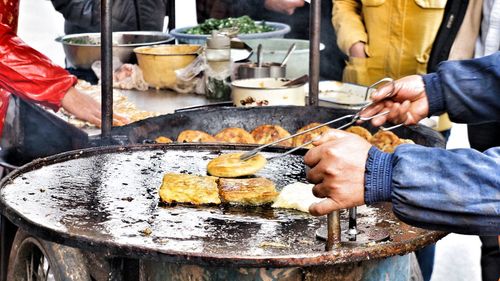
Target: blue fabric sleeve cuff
<point>378,176</point>
<point>434,93</point>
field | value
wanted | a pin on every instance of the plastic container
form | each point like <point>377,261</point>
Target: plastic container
<point>218,72</point>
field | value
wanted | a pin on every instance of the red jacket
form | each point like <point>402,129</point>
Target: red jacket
<point>24,71</point>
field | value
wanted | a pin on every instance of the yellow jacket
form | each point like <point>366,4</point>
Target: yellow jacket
<point>398,36</point>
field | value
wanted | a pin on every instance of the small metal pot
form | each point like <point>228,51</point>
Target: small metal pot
<point>268,70</point>
<point>252,70</point>
<point>276,70</point>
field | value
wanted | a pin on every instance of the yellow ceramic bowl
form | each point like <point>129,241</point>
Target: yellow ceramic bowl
<point>159,63</point>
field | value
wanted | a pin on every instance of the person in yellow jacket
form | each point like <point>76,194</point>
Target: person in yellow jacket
<point>385,38</point>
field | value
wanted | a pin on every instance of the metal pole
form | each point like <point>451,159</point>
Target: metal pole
<point>171,14</point>
<point>333,219</point>
<point>314,56</point>
<point>334,230</point>
<point>106,69</point>
<point>353,227</point>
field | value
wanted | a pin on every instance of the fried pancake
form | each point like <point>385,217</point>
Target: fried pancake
<point>162,139</point>
<point>254,191</point>
<point>386,141</point>
<point>197,190</point>
<point>265,134</point>
<point>299,140</point>
<point>194,136</point>
<point>360,131</point>
<point>296,196</point>
<point>234,135</point>
<point>230,166</point>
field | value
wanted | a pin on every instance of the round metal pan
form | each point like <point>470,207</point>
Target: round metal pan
<point>292,118</point>
<point>106,199</point>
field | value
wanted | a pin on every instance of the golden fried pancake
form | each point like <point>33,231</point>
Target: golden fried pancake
<point>234,135</point>
<point>265,134</point>
<point>230,166</point>
<point>254,191</point>
<point>360,131</point>
<point>386,141</point>
<point>162,139</point>
<point>299,140</point>
<point>197,190</point>
<point>194,136</point>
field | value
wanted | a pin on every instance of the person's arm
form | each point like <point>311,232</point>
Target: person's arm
<point>82,13</point>
<point>450,190</point>
<point>283,6</point>
<point>30,75</point>
<point>468,90</point>
<point>348,24</point>
<point>457,190</point>
<point>433,188</point>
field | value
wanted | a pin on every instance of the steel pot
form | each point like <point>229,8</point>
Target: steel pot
<point>83,49</point>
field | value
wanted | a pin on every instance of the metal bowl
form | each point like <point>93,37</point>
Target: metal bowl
<point>83,49</point>
<point>280,30</point>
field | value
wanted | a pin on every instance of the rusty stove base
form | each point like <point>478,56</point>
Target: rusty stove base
<point>392,268</point>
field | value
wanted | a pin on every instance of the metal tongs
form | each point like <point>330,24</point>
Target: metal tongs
<point>354,118</point>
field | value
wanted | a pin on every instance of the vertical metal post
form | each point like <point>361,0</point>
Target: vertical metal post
<point>333,219</point>
<point>171,14</point>
<point>334,230</point>
<point>106,69</point>
<point>353,225</point>
<point>314,55</point>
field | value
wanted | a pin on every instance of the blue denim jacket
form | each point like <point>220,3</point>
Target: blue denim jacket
<point>451,190</point>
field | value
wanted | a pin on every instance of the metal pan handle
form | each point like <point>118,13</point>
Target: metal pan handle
<point>210,105</point>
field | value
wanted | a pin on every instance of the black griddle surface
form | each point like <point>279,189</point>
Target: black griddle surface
<point>106,199</point>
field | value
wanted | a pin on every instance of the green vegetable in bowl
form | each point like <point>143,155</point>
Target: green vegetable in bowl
<point>86,40</point>
<point>244,25</point>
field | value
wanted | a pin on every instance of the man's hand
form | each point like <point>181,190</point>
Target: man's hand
<point>357,50</point>
<point>283,6</point>
<point>407,105</point>
<point>338,170</point>
<point>84,107</point>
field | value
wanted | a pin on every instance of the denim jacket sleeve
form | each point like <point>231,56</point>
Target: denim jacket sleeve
<point>450,190</point>
<point>468,90</point>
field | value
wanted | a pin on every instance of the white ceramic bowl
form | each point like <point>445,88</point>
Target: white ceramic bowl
<point>266,92</point>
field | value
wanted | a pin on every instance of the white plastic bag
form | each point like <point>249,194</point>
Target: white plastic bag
<point>190,78</point>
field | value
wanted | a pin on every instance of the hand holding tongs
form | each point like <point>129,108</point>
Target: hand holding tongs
<point>354,118</point>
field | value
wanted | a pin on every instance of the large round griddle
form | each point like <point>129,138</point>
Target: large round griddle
<point>106,199</point>
<point>291,118</point>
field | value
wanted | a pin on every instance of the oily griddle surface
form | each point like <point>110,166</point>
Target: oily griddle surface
<point>106,199</point>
